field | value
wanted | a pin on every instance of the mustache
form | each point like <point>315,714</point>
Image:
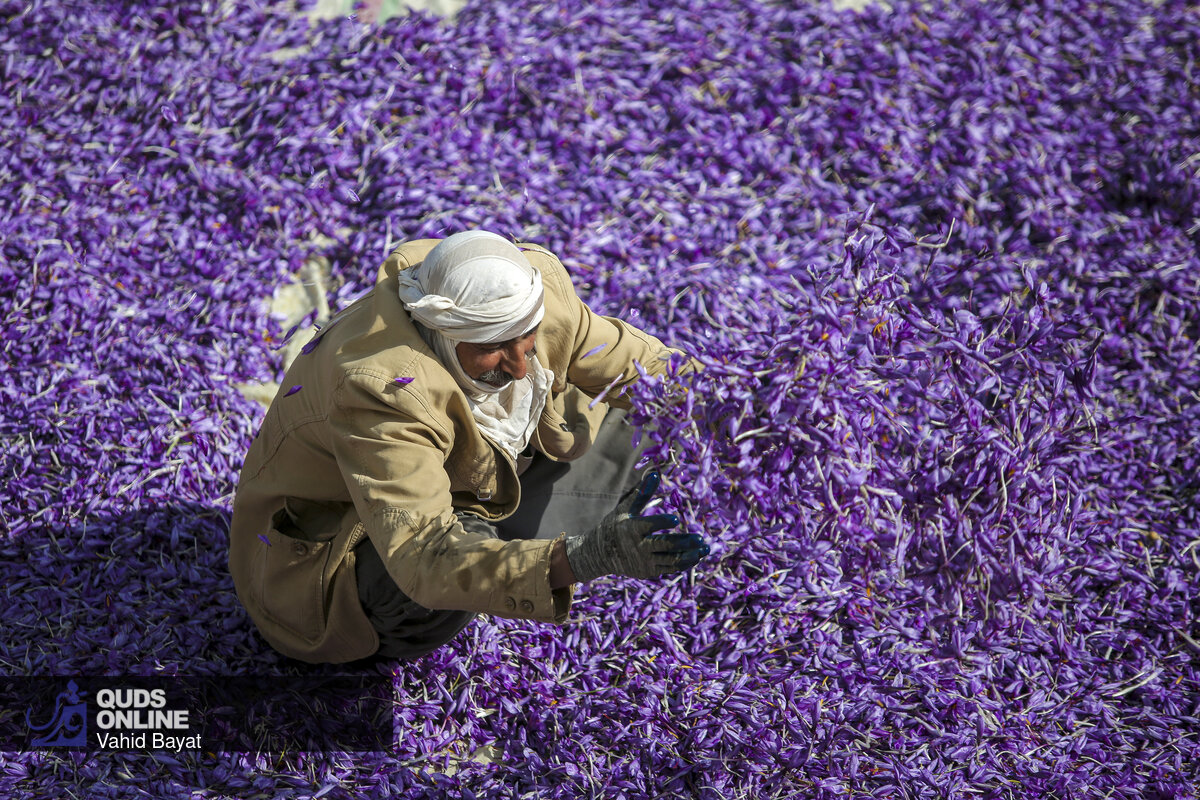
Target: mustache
<point>497,377</point>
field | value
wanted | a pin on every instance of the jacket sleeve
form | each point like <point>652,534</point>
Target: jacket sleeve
<point>604,352</point>
<point>392,457</point>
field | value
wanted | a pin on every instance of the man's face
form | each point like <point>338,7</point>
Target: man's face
<point>498,364</point>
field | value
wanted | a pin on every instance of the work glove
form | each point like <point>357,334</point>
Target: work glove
<point>627,544</point>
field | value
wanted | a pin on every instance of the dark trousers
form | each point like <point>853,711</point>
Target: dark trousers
<point>556,497</point>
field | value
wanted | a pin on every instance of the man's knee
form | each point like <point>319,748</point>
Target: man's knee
<point>406,629</point>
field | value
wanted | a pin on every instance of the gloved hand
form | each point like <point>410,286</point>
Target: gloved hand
<point>627,544</point>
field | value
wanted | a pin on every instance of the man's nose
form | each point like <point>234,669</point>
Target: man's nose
<point>513,362</point>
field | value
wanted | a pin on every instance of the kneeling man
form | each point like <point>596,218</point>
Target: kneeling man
<point>435,453</point>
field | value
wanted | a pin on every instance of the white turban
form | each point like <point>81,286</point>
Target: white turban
<point>474,287</point>
<point>478,287</point>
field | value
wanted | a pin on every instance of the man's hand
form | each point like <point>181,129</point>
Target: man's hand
<point>627,544</point>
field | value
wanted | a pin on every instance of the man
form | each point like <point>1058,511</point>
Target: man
<point>430,457</point>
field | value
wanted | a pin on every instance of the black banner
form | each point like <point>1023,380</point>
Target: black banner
<point>201,714</point>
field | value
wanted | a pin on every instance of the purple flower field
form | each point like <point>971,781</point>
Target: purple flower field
<point>942,264</point>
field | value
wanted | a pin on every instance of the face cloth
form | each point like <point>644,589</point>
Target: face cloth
<point>478,287</point>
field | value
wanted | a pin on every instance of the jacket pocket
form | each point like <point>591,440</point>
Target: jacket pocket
<point>290,581</point>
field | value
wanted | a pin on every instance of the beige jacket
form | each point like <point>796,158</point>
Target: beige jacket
<point>359,450</point>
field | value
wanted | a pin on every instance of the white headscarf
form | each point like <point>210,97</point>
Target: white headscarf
<point>478,287</point>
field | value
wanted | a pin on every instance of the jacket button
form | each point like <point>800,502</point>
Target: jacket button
<point>510,603</point>
<point>527,606</point>
<point>300,548</point>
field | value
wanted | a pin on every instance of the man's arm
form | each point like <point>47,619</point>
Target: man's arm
<point>394,466</point>
<point>595,353</point>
